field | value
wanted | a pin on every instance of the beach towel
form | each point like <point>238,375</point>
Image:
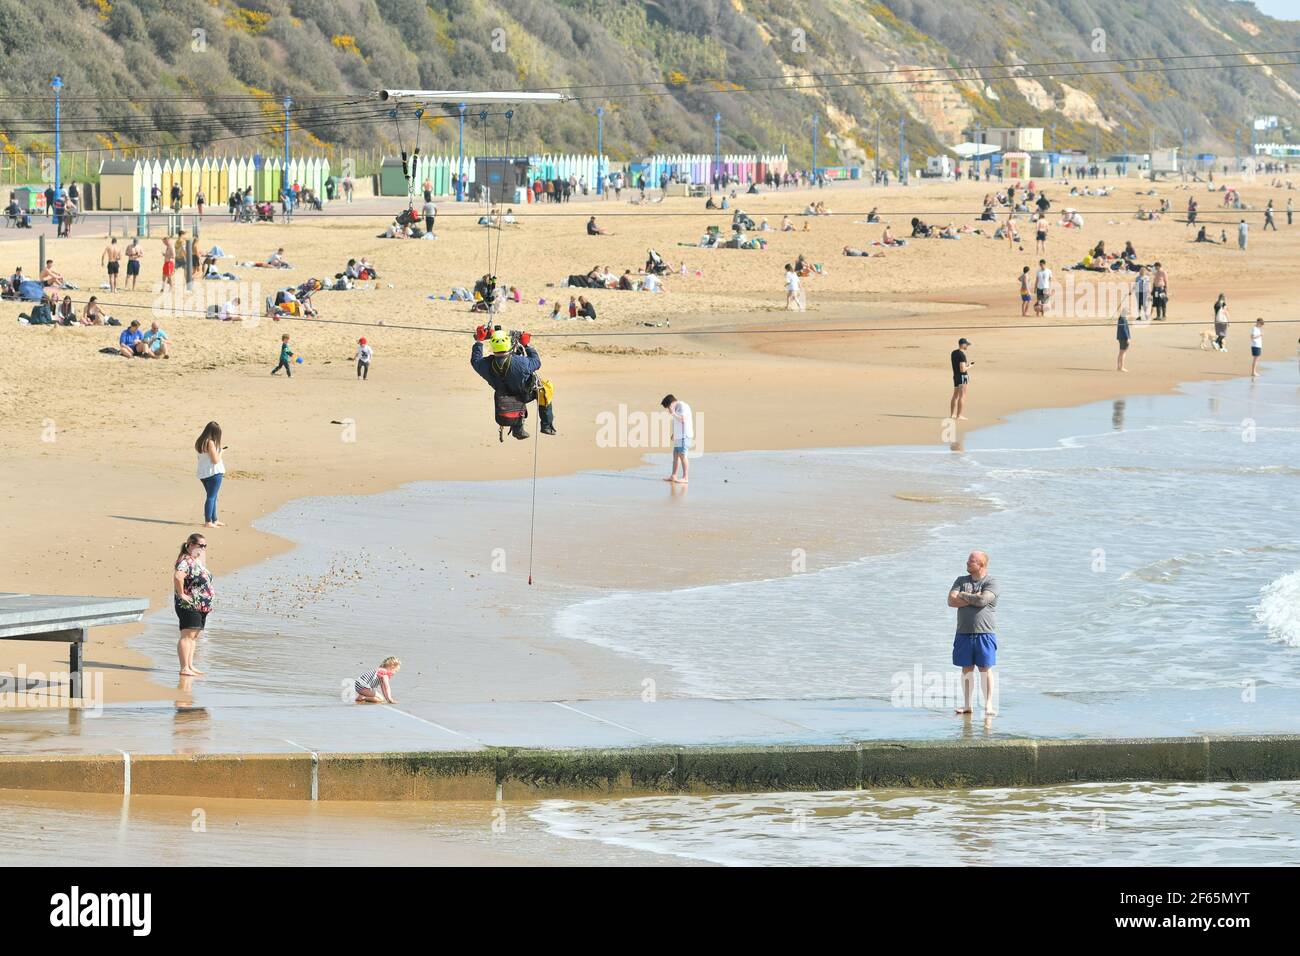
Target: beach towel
<point>29,290</point>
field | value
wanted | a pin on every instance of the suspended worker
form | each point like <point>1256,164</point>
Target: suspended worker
<point>511,369</point>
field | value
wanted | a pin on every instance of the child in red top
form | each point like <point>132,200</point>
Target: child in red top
<point>374,687</point>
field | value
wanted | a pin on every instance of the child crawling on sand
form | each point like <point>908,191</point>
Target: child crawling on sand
<point>373,687</point>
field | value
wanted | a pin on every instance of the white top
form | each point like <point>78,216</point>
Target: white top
<point>207,469</point>
<point>364,352</point>
<point>683,427</point>
<point>650,283</point>
<point>791,282</point>
<point>1256,337</point>
<point>1044,279</point>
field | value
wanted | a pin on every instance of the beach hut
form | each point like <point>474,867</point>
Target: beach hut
<point>153,177</point>
<point>1016,166</point>
<point>268,181</point>
<point>203,183</point>
<point>188,186</point>
<point>392,182</point>
<point>167,176</point>
<point>119,184</point>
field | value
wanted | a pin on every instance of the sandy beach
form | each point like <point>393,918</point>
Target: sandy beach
<point>96,457</point>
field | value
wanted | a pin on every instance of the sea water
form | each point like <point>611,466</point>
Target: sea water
<point>1145,543</point>
<point>1136,824</point>
<point>1148,542</point>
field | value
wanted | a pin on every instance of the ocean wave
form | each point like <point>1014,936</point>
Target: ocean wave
<point>1166,570</point>
<point>1278,610</point>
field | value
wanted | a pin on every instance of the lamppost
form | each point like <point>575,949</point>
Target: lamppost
<point>717,147</point>
<point>57,84</point>
<point>600,150</point>
<point>460,162</point>
<point>877,147</point>
<point>815,121</point>
<point>902,156</point>
<point>284,176</point>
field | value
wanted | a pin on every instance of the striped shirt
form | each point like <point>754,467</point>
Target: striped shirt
<point>372,679</point>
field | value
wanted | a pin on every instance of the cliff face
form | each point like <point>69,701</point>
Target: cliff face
<point>154,71</point>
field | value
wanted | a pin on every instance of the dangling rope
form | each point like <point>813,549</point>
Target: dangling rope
<point>415,160</point>
<point>482,117</point>
<point>401,146</point>
<point>501,223</point>
<point>532,517</point>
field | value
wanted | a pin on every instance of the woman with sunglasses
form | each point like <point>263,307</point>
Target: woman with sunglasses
<point>193,599</point>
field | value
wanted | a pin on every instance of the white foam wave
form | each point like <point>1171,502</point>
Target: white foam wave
<point>1278,610</point>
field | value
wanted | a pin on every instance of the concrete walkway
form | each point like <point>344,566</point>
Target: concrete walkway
<point>228,725</point>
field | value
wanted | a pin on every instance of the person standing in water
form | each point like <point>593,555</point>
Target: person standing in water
<point>683,436</point>
<point>191,599</point>
<point>1256,346</point>
<point>975,596</point>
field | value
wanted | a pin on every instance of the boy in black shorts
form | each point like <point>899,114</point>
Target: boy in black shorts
<point>960,377</point>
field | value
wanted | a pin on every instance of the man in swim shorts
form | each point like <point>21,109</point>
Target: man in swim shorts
<point>169,262</point>
<point>975,596</point>
<point>133,256</point>
<point>112,257</point>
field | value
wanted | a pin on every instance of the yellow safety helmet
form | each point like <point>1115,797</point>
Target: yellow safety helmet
<point>500,341</point>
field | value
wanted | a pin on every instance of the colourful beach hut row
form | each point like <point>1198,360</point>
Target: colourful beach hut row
<point>700,168</point>
<point>583,167</point>
<point>123,182</point>
<point>440,171</point>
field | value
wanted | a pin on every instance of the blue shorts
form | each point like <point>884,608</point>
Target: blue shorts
<point>1256,350</point>
<point>975,650</point>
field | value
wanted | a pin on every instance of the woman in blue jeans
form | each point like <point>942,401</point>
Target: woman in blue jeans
<point>211,469</point>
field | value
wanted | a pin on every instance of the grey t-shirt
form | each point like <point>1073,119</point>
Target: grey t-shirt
<point>974,618</point>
